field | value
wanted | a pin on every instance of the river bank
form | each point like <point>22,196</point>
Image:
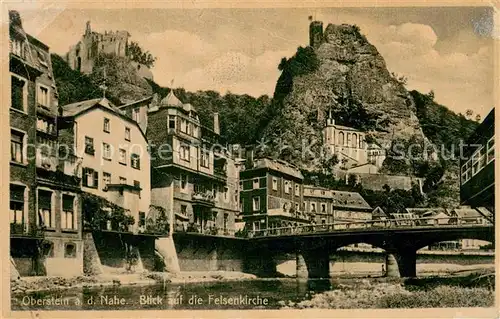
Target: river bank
<point>119,277</point>
<point>472,290</point>
<point>33,284</point>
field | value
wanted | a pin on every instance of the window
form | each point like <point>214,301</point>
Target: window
<point>127,134</point>
<point>17,48</point>
<point>313,208</point>
<point>48,249</point>
<point>70,250</point>
<point>41,58</point>
<point>226,190</point>
<point>106,180</point>
<point>256,204</point>
<point>106,127</point>
<point>42,96</point>
<point>215,191</point>
<point>287,187</point>
<point>16,204</point>
<point>89,145</point>
<point>226,216</point>
<point>68,213</point>
<point>466,172</point>
<point>135,161</point>
<point>183,125</point>
<point>297,207</point>
<point>45,217</point>
<point>135,114</point>
<point>491,150</point>
<point>185,153</point>
<point>205,159</point>
<point>297,190</point>
<point>184,210</point>
<point>171,122</point>
<point>184,182</point>
<point>122,156</point>
<point>19,96</point>
<point>16,146</point>
<point>241,185</point>
<point>123,180</point>
<point>275,184</point>
<point>323,208</point>
<point>142,219</point>
<point>255,183</point>
<point>90,178</point>
<point>106,151</point>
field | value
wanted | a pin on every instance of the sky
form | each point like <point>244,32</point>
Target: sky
<point>445,49</point>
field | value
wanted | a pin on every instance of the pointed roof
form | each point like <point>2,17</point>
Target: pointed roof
<point>171,100</point>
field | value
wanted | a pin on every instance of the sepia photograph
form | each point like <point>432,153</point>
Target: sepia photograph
<point>249,158</point>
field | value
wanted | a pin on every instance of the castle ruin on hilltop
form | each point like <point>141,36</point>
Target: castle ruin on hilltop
<point>82,55</point>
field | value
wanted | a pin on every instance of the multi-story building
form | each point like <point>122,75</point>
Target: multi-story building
<point>272,195</point>
<point>477,178</point>
<point>82,56</point>
<point>351,147</point>
<point>114,155</point>
<point>192,173</point>
<point>45,214</point>
<point>325,206</point>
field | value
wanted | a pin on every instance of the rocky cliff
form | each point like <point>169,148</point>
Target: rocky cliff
<point>346,74</point>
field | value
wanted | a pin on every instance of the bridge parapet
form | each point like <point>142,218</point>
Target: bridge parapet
<point>389,224</point>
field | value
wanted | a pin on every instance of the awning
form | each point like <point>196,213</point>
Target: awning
<point>181,216</point>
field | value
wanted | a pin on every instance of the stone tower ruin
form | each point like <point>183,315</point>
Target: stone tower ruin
<point>315,34</point>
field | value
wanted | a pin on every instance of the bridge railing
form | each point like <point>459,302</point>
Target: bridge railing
<point>368,224</point>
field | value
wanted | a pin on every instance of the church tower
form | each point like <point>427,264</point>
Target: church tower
<point>329,130</point>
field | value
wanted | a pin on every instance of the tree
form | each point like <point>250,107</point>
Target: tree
<point>136,53</point>
<point>469,113</point>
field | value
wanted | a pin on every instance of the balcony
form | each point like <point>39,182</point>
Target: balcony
<point>63,170</point>
<point>21,230</point>
<point>203,199</point>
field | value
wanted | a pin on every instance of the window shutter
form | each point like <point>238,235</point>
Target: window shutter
<point>17,193</point>
<point>96,179</point>
<point>44,199</point>
<point>68,202</point>
<point>85,178</point>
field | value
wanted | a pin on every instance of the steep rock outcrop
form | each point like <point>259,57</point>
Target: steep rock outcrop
<point>350,75</point>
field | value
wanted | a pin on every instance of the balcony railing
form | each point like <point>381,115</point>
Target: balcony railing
<point>211,230</point>
<point>203,198</point>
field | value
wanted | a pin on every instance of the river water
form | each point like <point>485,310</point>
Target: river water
<point>251,294</point>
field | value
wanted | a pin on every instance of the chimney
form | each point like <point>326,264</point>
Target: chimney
<point>216,123</point>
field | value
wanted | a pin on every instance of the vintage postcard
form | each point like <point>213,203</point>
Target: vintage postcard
<point>265,158</point>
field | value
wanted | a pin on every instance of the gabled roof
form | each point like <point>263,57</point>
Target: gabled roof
<point>431,211</point>
<point>378,212</point>
<point>339,198</point>
<point>79,108</point>
<point>74,109</point>
<point>467,212</point>
<point>278,166</point>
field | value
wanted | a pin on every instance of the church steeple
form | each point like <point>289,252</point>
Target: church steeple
<point>330,121</point>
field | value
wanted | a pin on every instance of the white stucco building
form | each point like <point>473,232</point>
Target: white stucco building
<point>114,155</point>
